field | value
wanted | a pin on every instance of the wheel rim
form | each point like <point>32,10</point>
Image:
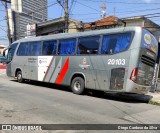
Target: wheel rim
<point>77,85</point>
<point>19,76</point>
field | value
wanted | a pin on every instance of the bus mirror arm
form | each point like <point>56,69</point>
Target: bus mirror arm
<point>4,52</point>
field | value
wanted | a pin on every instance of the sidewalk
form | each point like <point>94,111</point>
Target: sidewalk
<point>155,98</point>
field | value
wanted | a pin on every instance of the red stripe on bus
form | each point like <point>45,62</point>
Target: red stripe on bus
<point>63,72</point>
<point>48,69</point>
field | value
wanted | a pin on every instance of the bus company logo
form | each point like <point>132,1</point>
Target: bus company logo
<point>84,61</point>
<point>147,38</point>
<point>42,61</point>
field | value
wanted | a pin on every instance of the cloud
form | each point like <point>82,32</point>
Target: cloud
<point>148,1</point>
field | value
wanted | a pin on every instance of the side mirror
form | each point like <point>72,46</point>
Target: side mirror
<point>4,53</point>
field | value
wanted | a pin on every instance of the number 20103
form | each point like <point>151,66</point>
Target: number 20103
<point>116,61</point>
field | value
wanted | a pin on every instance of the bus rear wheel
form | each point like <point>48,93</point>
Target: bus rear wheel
<point>19,77</point>
<point>77,85</point>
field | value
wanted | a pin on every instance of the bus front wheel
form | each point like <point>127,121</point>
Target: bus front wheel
<point>19,77</point>
<point>77,85</point>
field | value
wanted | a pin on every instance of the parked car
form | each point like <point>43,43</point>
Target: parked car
<point>3,59</point>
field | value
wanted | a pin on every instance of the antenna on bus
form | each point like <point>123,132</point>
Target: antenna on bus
<point>103,12</point>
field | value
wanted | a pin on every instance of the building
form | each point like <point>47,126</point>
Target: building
<point>24,12</point>
<point>57,25</point>
<point>105,23</point>
<point>112,22</point>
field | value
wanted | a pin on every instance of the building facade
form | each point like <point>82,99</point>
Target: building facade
<point>57,25</point>
<point>24,12</point>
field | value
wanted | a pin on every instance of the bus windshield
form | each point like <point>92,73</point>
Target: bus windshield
<point>11,51</point>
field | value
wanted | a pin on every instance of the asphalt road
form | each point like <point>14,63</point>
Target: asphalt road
<point>41,103</point>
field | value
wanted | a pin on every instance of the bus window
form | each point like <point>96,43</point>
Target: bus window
<point>11,51</point>
<point>67,47</point>
<point>23,49</point>
<point>115,43</point>
<point>35,48</point>
<point>88,45</point>
<point>49,47</point>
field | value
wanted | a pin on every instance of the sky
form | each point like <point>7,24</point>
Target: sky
<point>90,10</point>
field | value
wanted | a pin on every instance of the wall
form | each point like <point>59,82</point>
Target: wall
<point>58,27</point>
<point>73,27</point>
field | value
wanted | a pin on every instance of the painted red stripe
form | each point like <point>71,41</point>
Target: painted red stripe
<point>63,72</point>
<point>48,69</point>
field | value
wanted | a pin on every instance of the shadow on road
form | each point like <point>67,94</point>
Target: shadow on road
<point>122,97</point>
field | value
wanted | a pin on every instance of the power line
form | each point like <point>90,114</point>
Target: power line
<point>3,29</point>
<point>43,8</point>
<point>74,5</point>
<point>3,19</point>
<point>88,7</point>
<point>100,1</point>
<point>153,16</point>
<point>70,8</point>
<point>85,14</point>
<point>130,11</point>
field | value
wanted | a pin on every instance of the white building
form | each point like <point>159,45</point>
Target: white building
<point>24,12</point>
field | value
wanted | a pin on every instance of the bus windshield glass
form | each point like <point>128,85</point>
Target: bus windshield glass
<point>11,51</point>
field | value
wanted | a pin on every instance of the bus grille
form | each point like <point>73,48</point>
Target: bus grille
<point>147,60</point>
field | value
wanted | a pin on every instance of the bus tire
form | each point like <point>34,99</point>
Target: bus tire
<point>19,77</point>
<point>77,85</point>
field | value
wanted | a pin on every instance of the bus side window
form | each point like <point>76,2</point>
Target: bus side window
<point>88,45</point>
<point>105,43</point>
<point>115,43</point>
<point>123,41</point>
<point>35,48</point>
<point>67,47</point>
<point>23,49</point>
<point>49,47</point>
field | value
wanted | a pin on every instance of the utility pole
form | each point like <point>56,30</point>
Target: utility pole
<point>7,18</point>
<point>66,16</point>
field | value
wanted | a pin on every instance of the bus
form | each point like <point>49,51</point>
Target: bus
<point>109,60</point>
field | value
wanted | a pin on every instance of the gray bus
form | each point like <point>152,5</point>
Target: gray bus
<point>110,60</point>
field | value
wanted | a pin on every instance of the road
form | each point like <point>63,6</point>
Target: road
<point>41,103</point>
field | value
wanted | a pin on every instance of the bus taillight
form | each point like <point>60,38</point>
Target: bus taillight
<point>134,73</point>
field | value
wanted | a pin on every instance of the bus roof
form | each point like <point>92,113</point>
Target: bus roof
<point>79,34</point>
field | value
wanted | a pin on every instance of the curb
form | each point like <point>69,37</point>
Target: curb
<point>154,102</point>
<point>155,98</point>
